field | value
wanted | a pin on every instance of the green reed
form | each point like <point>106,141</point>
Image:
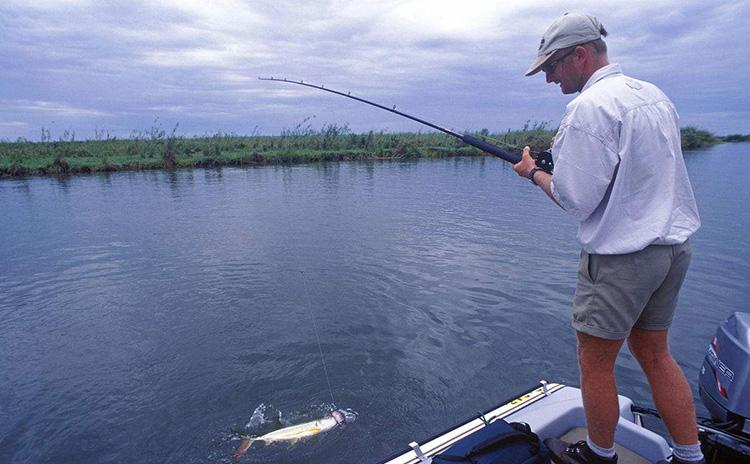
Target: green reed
<point>157,148</point>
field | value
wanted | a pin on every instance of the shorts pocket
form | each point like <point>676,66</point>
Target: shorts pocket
<point>592,266</point>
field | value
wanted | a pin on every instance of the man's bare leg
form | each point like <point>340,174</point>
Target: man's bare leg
<point>596,360</point>
<point>669,387</point>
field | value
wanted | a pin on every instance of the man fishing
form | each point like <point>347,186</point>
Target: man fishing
<point>619,171</point>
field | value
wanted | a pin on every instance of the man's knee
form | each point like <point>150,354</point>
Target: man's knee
<point>649,347</point>
<point>597,355</point>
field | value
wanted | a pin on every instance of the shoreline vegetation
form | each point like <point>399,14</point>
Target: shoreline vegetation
<point>157,149</point>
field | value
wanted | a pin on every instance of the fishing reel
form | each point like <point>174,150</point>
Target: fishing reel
<point>544,161</point>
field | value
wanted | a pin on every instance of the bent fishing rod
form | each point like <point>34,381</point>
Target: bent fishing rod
<point>543,159</point>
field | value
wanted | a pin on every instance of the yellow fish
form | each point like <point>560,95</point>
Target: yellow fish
<point>295,432</point>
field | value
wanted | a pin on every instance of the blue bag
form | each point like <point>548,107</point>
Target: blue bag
<point>499,442</point>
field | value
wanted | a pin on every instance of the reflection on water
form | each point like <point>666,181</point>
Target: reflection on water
<point>143,315</point>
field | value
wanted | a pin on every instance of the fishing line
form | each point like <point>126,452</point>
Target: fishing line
<point>317,337</point>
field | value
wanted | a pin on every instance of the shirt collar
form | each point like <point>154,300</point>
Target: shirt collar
<point>602,73</point>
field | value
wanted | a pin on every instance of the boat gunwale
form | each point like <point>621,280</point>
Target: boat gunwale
<point>511,406</point>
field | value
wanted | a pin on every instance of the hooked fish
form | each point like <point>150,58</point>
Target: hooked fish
<point>295,432</point>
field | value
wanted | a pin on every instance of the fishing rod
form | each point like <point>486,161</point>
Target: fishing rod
<point>543,159</point>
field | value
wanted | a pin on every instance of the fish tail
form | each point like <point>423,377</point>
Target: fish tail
<point>242,449</point>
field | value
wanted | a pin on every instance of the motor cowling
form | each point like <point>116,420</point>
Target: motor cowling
<point>724,381</point>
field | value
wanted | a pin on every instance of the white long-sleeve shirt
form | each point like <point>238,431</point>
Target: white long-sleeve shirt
<point>619,168</point>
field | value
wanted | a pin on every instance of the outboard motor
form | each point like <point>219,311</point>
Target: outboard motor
<point>724,386</point>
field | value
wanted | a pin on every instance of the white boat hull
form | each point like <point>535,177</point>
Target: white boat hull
<point>552,410</point>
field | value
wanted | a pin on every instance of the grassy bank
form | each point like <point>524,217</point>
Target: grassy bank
<point>157,149</point>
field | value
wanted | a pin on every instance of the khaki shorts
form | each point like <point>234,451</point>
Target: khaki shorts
<point>618,292</point>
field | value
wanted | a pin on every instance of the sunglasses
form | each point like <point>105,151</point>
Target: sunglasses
<point>549,68</point>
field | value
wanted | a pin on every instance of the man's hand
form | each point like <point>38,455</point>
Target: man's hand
<point>541,178</point>
<point>527,163</point>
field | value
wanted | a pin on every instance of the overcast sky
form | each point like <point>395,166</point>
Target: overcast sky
<point>121,66</point>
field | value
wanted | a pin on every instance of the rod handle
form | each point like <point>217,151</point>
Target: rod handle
<point>491,149</point>
<point>543,160</point>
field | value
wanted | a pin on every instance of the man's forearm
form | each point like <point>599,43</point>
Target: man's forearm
<point>544,181</point>
<point>527,165</point>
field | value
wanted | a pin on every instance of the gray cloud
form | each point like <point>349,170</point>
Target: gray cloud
<point>93,65</point>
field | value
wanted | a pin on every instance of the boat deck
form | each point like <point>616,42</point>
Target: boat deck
<point>624,455</point>
<point>552,410</point>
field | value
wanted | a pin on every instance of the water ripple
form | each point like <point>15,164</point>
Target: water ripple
<point>142,315</point>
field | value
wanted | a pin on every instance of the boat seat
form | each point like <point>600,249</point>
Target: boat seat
<point>624,455</point>
<point>562,413</point>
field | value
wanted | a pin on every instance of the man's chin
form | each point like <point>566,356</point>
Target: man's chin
<point>567,91</point>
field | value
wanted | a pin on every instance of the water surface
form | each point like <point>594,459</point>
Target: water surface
<point>144,315</point>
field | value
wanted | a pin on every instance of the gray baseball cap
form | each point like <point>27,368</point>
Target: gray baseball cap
<point>568,30</point>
